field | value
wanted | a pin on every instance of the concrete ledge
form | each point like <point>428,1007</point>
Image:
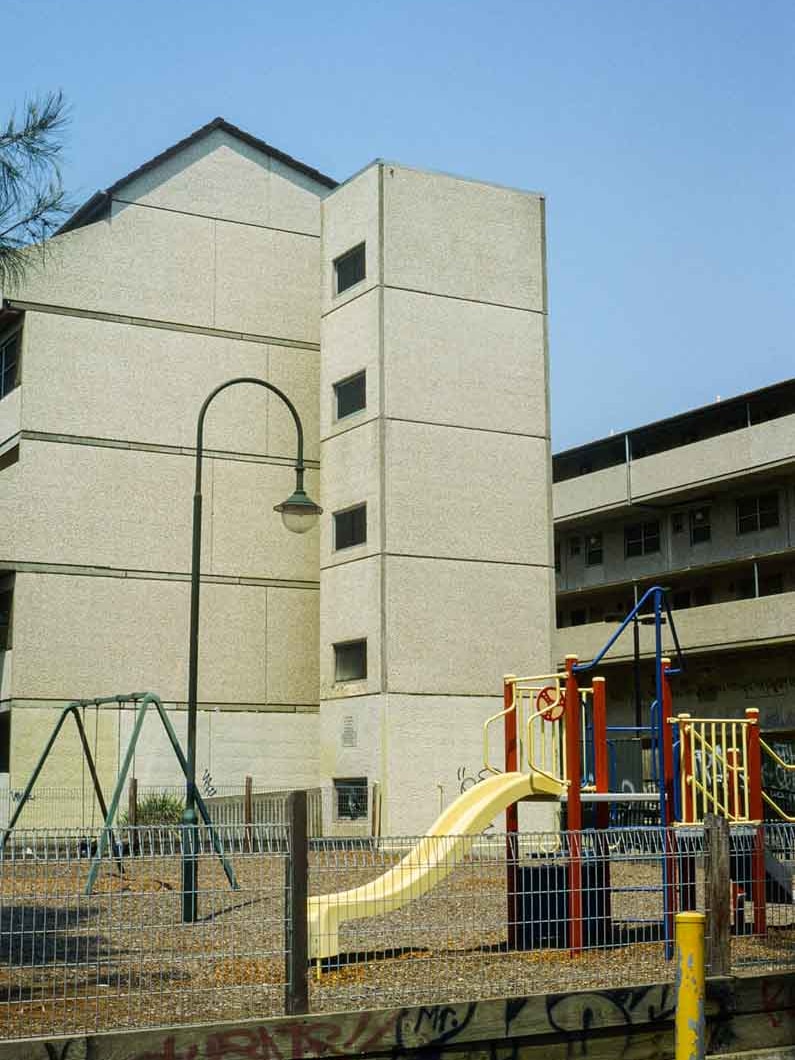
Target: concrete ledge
<point>743,1014</point>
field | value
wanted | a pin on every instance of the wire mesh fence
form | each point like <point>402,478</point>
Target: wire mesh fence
<point>121,956</point>
<point>391,921</point>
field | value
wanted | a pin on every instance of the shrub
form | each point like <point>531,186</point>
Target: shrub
<point>158,807</point>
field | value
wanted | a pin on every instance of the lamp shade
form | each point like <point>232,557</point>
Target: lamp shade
<point>299,512</point>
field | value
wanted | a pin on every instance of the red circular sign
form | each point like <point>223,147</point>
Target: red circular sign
<point>550,698</point>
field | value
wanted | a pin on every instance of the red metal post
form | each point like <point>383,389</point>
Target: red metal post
<point>753,778</point>
<point>573,750</point>
<point>512,812</point>
<point>600,758</point>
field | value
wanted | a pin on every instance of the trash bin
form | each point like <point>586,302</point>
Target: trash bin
<point>543,904</point>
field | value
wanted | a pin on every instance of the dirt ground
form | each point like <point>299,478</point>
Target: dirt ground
<point>122,958</point>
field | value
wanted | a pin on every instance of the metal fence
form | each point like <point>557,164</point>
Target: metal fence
<point>77,807</point>
<point>121,957</point>
<point>391,921</point>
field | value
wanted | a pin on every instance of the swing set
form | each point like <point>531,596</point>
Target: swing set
<point>77,709</point>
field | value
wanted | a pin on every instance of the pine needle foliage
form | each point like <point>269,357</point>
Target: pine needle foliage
<point>32,199</point>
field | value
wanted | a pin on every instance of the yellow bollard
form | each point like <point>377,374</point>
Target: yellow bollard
<point>689,1041</point>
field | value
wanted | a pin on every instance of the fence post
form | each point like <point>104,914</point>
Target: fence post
<point>689,1038</point>
<point>248,813</point>
<point>718,894</point>
<point>296,1001</point>
<point>132,803</point>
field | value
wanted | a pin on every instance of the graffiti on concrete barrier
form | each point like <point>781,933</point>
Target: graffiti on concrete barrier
<point>432,1025</point>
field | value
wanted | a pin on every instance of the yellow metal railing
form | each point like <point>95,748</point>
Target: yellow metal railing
<point>713,756</point>
<point>540,724</point>
<point>789,767</point>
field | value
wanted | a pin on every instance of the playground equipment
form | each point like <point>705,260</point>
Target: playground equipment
<point>556,742</point>
<point>141,702</point>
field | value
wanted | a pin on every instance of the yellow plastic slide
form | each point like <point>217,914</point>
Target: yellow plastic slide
<point>427,863</point>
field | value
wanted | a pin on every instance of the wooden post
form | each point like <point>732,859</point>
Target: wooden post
<point>718,894</point>
<point>296,1001</point>
<point>132,803</point>
<point>573,751</point>
<point>248,813</point>
<point>753,778</point>
<point>510,699</point>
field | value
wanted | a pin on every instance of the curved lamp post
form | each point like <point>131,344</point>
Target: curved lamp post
<point>299,514</point>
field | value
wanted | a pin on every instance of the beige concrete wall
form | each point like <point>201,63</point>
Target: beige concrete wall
<point>185,269</point>
<point>453,587</point>
<point>455,345</point>
<point>131,509</point>
<point>738,452</point>
<point>143,384</point>
<point>6,660</point>
<point>590,493</point>
<point>220,176</point>
<point>717,627</point>
<point>97,633</point>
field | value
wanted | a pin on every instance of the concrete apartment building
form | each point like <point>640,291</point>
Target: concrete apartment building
<point>703,503</point>
<point>404,313</point>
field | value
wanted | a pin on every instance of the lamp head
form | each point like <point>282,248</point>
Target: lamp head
<point>299,512</point>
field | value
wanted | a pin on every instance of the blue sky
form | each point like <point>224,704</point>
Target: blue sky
<point>660,132</point>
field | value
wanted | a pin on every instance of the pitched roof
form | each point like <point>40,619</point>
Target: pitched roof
<point>94,208</point>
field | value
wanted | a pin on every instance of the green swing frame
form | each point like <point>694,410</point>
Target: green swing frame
<point>142,701</point>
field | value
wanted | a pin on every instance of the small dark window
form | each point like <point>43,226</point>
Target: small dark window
<point>642,538</point>
<point>349,268</point>
<point>350,796</point>
<point>700,526</point>
<point>578,617</point>
<point>593,549</point>
<point>350,395</point>
<point>350,661</point>
<point>5,741</point>
<point>681,600</point>
<point>574,546</point>
<point>744,589</point>
<point>557,557</point>
<point>350,528</point>
<point>771,584</point>
<point>757,513</point>
<point>9,457</point>
<point>677,522</point>
<point>702,596</point>
<point>6,598</point>
<point>596,614</point>
<point>9,362</point>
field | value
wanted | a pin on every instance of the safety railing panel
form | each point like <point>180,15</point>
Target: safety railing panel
<point>714,774</point>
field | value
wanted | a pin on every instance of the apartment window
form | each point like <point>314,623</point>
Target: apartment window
<point>5,741</point>
<point>350,395</point>
<point>757,513</point>
<point>681,600</point>
<point>350,661</point>
<point>6,598</point>
<point>593,550</point>
<point>579,617</point>
<point>700,526</point>
<point>744,589</point>
<point>677,522</point>
<point>575,546</point>
<point>557,557</point>
<point>349,269</point>
<point>350,527</point>
<point>350,798</point>
<point>9,362</point>
<point>702,596</point>
<point>642,538</point>
<point>770,584</point>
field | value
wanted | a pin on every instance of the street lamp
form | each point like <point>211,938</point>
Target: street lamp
<point>299,514</point>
